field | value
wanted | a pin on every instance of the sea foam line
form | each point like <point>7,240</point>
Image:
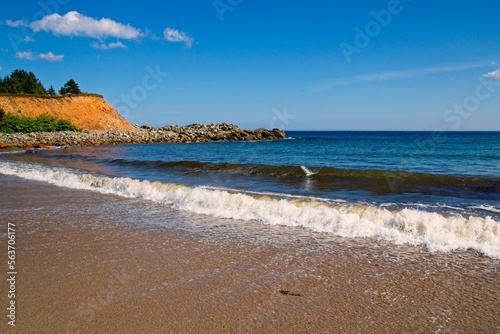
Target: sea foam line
<point>408,226</point>
<point>486,208</point>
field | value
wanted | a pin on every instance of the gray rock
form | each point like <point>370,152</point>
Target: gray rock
<point>144,134</point>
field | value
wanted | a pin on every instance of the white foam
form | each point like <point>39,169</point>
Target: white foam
<point>408,226</point>
<point>487,208</point>
<point>307,171</point>
<point>12,152</point>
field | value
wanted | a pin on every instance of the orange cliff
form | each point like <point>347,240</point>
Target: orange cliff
<point>88,112</point>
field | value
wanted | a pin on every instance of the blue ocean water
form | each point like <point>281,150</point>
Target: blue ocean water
<point>369,184</point>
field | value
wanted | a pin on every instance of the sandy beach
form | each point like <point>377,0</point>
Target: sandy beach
<point>85,264</point>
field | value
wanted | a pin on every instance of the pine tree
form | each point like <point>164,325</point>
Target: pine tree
<point>51,91</point>
<point>70,88</point>
<point>22,82</point>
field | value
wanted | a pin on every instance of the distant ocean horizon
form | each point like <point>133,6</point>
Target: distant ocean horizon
<point>438,190</point>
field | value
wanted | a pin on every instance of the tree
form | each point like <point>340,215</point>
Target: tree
<point>2,115</point>
<point>51,91</point>
<point>70,88</point>
<point>22,82</point>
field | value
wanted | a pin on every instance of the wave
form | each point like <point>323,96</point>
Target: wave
<point>324,178</point>
<point>486,208</point>
<point>435,231</point>
<point>377,181</point>
<point>12,152</point>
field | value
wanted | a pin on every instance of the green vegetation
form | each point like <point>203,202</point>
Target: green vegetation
<point>42,123</point>
<point>51,91</point>
<point>21,82</point>
<point>70,88</point>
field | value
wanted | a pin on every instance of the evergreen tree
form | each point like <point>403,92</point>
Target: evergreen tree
<point>70,88</point>
<point>22,82</point>
<point>51,91</point>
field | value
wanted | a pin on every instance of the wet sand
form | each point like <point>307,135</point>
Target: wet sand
<point>98,270</point>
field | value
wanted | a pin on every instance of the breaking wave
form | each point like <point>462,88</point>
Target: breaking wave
<point>435,231</point>
<point>381,181</point>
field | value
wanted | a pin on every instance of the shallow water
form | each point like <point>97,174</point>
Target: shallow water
<point>111,263</point>
<point>398,187</point>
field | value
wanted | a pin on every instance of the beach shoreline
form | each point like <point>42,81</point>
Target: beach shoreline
<point>84,265</point>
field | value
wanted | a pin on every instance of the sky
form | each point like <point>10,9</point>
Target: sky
<point>295,65</point>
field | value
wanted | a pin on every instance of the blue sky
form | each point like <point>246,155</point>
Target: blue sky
<point>320,65</point>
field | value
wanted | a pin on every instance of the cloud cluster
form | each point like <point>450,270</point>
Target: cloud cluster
<point>494,75</point>
<point>174,35</point>
<point>76,24</point>
<point>49,56</point>
<point>73,24</point>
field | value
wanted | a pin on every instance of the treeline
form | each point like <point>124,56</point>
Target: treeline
<point>21,82</point>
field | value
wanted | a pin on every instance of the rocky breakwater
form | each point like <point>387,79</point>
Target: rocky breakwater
<point>195,133</point>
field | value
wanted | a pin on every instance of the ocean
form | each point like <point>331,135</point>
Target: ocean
<point>435,191</point>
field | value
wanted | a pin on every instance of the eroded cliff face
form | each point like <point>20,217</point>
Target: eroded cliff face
<point>88,112</point>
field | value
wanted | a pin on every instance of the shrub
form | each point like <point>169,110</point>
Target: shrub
<point>42,123</point>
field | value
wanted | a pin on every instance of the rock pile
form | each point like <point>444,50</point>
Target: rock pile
<point>194,133</point>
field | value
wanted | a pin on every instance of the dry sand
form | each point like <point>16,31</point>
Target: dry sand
<point>88,271</point>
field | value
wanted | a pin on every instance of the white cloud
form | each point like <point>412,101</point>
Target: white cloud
<point>494,75</point>
<point>29,39</point>
<point>24,55</point>
<point>174,35</point>
<point>394,75</point>
<point>15,24</point>
<point>104,46</point>
<point>49,56</point>
<point>76,24</point>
